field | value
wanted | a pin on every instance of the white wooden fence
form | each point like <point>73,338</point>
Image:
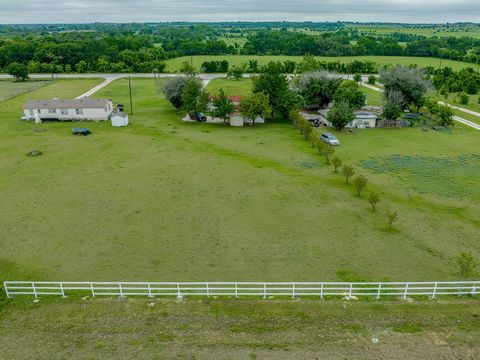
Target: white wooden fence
<point>243,289</point>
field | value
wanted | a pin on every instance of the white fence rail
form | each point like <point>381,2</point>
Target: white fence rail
<point>242,289</point>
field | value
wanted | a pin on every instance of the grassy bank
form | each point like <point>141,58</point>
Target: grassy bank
<point>152,329</point>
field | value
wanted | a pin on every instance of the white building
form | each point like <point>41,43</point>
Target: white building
<point>68,110</point>
<point>119,119</point>
<point>363,119</point>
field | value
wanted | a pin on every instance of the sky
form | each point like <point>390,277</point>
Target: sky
<point>84,11</point>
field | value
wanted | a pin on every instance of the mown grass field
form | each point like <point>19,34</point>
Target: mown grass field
<point>11,88</point>
<point>163,200</point>
<point>241,87</point>
<point>441,31</point>
<point>239,329</point>
<point>174,65</point>
<point>374,98</point>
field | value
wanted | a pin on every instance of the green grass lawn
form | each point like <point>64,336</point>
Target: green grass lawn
<point>163,200</point>
<point>231,87</point>
<point>374,98</point>
<point>11,88</point>
<point>173,65</point>
<point>239,329</point>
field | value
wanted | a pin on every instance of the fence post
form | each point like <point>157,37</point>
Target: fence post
<point>236,290</point>
<point>149,291</point>
<point>406,291</point>
<point>121,290</point>
<point>34,290</point>
<point>321,291</point>
<point>293,291</point>
<point>208,291</point>
<point>350,291</point>
<point>5,285</point>
<point>434,291</point>
<point>264,290</point>
<point>178,290</point>
<point>379,290</point>
<point>474,289</point>
<point>61,288</point>
<point>93,291</point>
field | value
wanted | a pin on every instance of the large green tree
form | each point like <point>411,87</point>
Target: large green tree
<point>317,88</point>
<point>273,82</point>
<point>408,81</point>
<point>340,115</point>
<point>18,71</point>
<point>194,97</point>
<point>256,105</point>
<point>349,92</point>
<point>224,106</point>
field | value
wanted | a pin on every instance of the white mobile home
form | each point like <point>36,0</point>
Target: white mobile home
<point>68,110</point>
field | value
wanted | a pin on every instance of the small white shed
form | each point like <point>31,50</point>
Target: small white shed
<point>119,119</point>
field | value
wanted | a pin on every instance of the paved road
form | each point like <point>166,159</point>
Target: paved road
<point>456,118</point>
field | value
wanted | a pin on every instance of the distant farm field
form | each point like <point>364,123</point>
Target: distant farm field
<point>162,200</point>
<point>174,65</point>
<point>11,88</point>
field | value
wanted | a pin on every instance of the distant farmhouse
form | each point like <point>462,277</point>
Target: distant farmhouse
<point>68,110</point>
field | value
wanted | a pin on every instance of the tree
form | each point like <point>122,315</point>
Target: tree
<point>256,105</point>
<point>360,182</point>
<point>336,162</point>
<point>374,199</point>
<point>324,149</point>
<point>394,103</point>
<point>18,71</point>
<point>392,216</point>
<point>273,82</point>
<point>444,115</point>
<point>372,79</point>
<point>340,115</point>
<point>173,90</point>
<point>408,81</point>
<point>357,78</point>
<point>194,98</point>
<point>349,92</point>
<point>188,69</point>
<point>317,88</point>
<point>463,98</point>
<point>235,73</point>
<point>348,172</point>
<point>253,66</point>
<point>465,266</point>
<point>224,107</point>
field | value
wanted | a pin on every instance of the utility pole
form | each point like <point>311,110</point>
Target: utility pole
<point>130,91</point>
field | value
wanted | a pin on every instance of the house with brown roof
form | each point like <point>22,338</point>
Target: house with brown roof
<point>68,110</point>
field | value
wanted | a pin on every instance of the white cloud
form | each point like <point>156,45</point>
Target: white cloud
<point>41,11</point>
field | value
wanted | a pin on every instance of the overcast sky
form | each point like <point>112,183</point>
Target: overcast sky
<point>76,11</point>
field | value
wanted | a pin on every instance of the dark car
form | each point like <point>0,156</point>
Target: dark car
<point>201,117</point>
<point>81,131</point>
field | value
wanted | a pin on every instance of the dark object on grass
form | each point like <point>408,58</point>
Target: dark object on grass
<point>439,128</point>
<point>81,131</point>
<point>34,153</point>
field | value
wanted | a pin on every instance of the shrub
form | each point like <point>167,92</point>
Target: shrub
<point>324,149</point>
<point>392,217</point>
<point>465,266</point>
<point>360,182</point>
<point>348,172</point>
<point>374,199</point>
<point>336,162</point>
<point>463,98</point>
<point>372,79</point>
